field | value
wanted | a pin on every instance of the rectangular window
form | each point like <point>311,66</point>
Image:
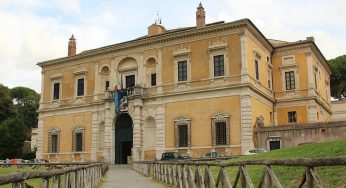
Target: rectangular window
<point>290,80</point>
<point>257,70</point>
<point>220,131</point>
<point>219,66</point>
<point>107,85</point>
<point>292,117</point>
<point>54,138</point>
<point>56,91</point>
<point>274,144</point>
<point>153,79</point>
<point>183,137</point>
<point>182,71</point>
<point>79,141</point>
<point>80,87</point>
<point>129,81</point>
<point>315,75</point>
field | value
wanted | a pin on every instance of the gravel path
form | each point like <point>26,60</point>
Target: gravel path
<point>124,176</point>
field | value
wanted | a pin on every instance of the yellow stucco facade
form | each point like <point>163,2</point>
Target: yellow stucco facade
<point>190,90</point>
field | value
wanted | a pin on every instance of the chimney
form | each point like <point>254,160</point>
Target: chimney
<point>156,29</point>
<point>310,39</point>
<point>200,16</point>
<point>72,46</point>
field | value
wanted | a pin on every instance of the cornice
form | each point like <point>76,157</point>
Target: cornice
<point>159,39</point>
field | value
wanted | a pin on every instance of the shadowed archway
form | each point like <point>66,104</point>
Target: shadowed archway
<point>123,138</point>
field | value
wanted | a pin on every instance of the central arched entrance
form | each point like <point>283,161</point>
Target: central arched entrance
<point>123,138</point>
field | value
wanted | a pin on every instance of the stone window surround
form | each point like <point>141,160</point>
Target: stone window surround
<point>273,138</point>
<point>215,50</point>
<point>182,55</point>
<point>220,117</point>
<point>257,58</point>
<point>53,131</point>
<point>78,129</point>
<point>78,75</point>
<point>287,67</point>
<point>128,73</point>
<point>54,81</point>
<point>182,120</point>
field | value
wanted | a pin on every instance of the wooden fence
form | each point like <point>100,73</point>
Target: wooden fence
<point>189,174</point>
<point>67,175</point>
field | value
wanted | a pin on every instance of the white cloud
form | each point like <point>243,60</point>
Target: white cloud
<point>69,5</point>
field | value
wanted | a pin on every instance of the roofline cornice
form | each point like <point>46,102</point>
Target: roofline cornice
<point>154,40</point>
<point>305,44</point>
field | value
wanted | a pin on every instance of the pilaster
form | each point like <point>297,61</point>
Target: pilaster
<point>312,112</point>
<point>246,125</point>
<point>94,136</point>
<point>137,131</point>
<point>108,134</point>
<point>159,71</point>
<point>244,63</point>
<point>39,150</point>
<point>160,131</point>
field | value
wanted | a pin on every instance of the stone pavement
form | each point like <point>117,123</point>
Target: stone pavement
<point>124,176</point>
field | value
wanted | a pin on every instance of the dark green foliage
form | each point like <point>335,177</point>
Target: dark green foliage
<point>13,135</point>
<point>6,105</point>
<point>338,77</point>
<point>26,103</point>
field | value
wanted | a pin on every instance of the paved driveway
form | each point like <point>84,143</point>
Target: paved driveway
<point>124,176</point>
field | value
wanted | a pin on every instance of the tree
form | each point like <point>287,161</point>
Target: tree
<point>13,135</point>
<point>7,108</point>
<point>338,77</point>
<point>27,103</point>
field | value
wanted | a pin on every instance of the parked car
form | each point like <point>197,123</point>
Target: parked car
<point>171,156</point>
<point>255,151</point>
<point>211,155</point>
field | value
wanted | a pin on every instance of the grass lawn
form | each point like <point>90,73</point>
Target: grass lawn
<point>291,176</point>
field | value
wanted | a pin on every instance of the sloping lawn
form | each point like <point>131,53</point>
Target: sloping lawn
<point>291,176</point>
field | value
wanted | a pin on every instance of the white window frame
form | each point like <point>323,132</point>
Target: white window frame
<point>287,67</point>
<point>220,117</point>
<point>52,89</point>
<point>182,120</point>
<point>182,55</point>
<point>273,138</point>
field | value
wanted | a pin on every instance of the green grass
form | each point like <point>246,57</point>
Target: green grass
<point>291,176</point>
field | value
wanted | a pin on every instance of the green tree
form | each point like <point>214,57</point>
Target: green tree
<point>7,108</point>
<point>27,103</point>
<point>12,138</point>
<point>338,77</point>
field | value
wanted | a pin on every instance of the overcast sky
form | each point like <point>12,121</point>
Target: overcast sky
<point>32,31</point>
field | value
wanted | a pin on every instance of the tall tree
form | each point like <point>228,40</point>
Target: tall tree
<point>27,103</point>
<point>13,135</point>
<point>338,78</point>
<point>6,105</point>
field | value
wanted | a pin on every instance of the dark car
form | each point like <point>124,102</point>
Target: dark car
<point>211,155</point>
<point>171,156</point>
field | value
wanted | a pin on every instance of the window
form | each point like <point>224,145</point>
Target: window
<point>219,69</point>
<point>292,117</point>
<point>153,79</point>
<point>107,85</point>
<point>182,71</point>
<point>78,139</point>
<point>257,71</point>
<point>220,129</point>
<point>80,87</point>
<point>53,141</point>
<point>182,129</point>
<point>274,144</point>
<point>129,81</point>
<point>56,91</point>
<point>182,135</point>
<point>290,80</point>
<point>315,76</point>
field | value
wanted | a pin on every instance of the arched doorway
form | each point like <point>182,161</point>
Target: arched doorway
<point>123,138</point>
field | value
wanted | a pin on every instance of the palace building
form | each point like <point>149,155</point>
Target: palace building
<point>192,90</point>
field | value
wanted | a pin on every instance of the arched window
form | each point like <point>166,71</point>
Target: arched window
<point>53,140</point>
<point>182,131</point>
<point>78,139</point>
<point>220,129</point>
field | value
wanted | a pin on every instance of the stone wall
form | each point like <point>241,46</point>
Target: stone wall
<point>293,135</point>
<point>339,110</point>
